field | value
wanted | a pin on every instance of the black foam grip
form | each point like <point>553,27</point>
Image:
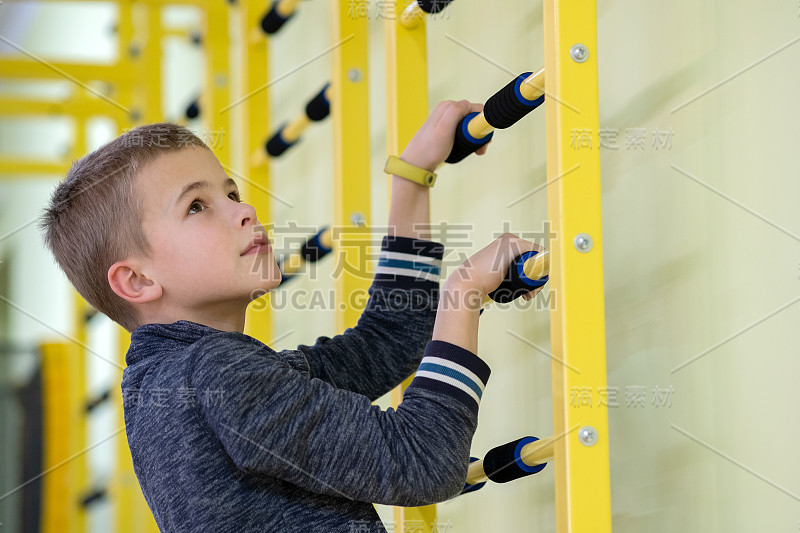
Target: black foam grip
<point>464,144</point>
<point>504,108</point>
<point>318,108</point>
<point>193,110</point>
<point>514,286</point>
<point>272,21</point>
<point>276,145</point>
<point>313,250</point>
<point>433,6</point>
<point>500,464</point>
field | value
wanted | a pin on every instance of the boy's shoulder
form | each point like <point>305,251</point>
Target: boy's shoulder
<point>195,347</point>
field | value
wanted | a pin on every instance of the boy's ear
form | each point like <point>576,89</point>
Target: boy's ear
<point>129,283</point>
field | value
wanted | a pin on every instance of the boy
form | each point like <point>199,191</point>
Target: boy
<point>228,435</point>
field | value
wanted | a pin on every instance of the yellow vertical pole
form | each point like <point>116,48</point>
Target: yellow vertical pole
<point>151,64</point>
<point>406,109</point>
<point>349,107</point>
<point>126,61</point>
<point>60,493</point>
<point>578,324</point>
<point>254,117</point>
<point>218,82</point>
<point>132,514</point>
<point>124,488</point>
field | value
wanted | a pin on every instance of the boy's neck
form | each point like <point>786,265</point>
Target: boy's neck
<point>223,320</point>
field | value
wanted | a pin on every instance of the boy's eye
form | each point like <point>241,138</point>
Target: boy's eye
<point>193,204</point>
<point>236,197</point>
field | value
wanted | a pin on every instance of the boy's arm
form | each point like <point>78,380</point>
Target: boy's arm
<point>274,421</point>
<point>386,345</point>
<point>409,212</point>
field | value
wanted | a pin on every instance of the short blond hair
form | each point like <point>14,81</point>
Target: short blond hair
<point>93,219</point>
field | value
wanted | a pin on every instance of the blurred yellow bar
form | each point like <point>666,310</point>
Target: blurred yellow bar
<point>577,325</point>
<point>350,110</point>
<point>286,7</point>
<point>406,62</point>
<point>74,106</point>
<point>52,70</point>
<point>218,82</point>
<point>16,165</point>
<point>295,128</point>
<point>151,65</point>
<point>253,115</point>
<point>412,16</point>
<point>59,496</point>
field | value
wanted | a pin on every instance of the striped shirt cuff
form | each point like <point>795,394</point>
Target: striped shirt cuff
<point>409,263</point>
<point>452,370</point>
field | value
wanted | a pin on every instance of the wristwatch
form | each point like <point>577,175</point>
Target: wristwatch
<point>398,167</point>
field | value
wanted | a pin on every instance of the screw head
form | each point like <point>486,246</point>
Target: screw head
<point>579,53</point>
<point>358,219</point>
<point>354,75</point>
<point>583,242</point>
<point>587,435</point>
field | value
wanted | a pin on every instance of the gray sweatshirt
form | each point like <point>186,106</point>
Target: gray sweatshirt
<point>228,435</point>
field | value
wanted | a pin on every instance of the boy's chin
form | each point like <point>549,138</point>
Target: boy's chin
<point>263,289</point>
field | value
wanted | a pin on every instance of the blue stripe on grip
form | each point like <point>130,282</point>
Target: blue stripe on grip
<point>518,456</point>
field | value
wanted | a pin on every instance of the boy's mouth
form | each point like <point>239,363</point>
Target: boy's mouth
<point>259,245</point>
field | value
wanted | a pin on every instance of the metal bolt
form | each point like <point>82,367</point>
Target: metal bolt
<point>220,80</point>
<point>134,50</point>
<point>579,53</point>
<point>354,75</point>
<point>358,219</point>
<point>587,435</point>
<point>583,242</point>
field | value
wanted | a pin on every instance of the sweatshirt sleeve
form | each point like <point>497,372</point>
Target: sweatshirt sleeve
<point>275,421</point>
<point>385,346</point>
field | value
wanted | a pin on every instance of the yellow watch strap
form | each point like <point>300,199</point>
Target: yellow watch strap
<point>398,167</point>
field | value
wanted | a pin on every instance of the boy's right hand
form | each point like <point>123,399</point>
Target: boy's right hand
<point>485,270</point>
<point>465,289</point>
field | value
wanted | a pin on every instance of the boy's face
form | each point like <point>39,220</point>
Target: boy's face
<point>199,238</point>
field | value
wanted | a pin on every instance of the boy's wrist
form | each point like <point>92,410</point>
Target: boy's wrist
<point>418,161</point>
<point>461,295</point>
<point>457,315</point>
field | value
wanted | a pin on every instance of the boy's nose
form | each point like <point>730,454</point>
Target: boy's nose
<point>247,214</point>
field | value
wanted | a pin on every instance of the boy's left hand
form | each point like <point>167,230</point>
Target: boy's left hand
<point>433,142</point>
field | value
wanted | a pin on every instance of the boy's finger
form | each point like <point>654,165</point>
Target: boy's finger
<point>453,114</point>
<point>475,108</point>
<point>440,109</point>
